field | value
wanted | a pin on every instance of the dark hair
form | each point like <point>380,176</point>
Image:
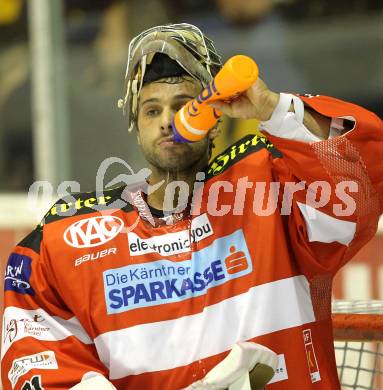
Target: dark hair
<point>162,66</point>
<point>175,79</point>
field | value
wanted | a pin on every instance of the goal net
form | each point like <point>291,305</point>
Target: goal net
<point>358,333</point>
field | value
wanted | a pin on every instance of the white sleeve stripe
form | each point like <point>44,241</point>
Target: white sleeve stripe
<point>165,345</point>
<point>325,228</point>
<point>337,126</point>
<point>20,323</point>
<point>75,329</point>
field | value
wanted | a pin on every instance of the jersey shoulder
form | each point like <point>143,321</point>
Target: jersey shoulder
<point>85,203</point>
<point>247,145</point>
<point>76,204</point>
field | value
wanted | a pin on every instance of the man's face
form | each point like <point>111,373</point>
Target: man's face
<point>158,102</point>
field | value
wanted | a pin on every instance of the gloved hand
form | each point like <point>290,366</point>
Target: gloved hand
<point>248,366</point>
<point>96,382</point>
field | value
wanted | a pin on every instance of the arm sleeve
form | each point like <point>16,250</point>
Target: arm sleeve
<point>43,343</point>
<point>347,171</point>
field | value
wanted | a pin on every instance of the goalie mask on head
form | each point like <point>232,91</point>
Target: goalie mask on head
<point>165,51</point>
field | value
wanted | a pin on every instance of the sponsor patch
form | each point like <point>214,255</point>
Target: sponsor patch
<point>311,358</point>
<point>72,208</point>
<point>171,243</point>
<point>281,370</point>
<point>33,384</point>
<point>164,281</point>
<point>38,324</point>
<point>18,273</point>
<point>93,231</point>
<point>15,327</point>
<point>43,361</point>
<point>251,143</point>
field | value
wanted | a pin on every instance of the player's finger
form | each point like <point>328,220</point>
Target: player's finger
<point>226,108</point>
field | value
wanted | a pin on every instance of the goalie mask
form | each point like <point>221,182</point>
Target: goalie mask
<point>188,51</point>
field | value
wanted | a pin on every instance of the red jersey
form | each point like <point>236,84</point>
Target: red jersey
<point>104,286</point>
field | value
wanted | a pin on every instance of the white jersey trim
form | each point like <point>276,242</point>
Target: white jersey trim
<point>174,343</point>
<point>20,323</point>
<point>325,228</point>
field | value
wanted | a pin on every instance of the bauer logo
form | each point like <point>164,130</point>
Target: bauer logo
<point>18,273</point>
<point>93,231</point>
<point>171,243</point>
<point>164,281</point>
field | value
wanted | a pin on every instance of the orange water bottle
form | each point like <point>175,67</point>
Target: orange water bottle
<point>192,122</point>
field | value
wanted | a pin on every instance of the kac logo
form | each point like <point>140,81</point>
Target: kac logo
<point>17,274</point>
<point>93,231</point>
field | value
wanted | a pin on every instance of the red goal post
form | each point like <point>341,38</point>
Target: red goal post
<point>358,334</point>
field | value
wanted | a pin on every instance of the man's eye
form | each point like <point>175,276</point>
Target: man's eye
<point>178,106</point>
<point>152,112</point>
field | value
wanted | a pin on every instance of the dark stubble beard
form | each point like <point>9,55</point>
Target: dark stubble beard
<point>186,158</point>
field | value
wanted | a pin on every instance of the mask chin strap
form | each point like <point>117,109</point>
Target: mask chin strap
<point>132,87</point>
<point>143,70</point>
<point>121,103</point>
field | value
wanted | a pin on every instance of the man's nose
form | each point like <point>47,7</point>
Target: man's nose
<point>166,121</point>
